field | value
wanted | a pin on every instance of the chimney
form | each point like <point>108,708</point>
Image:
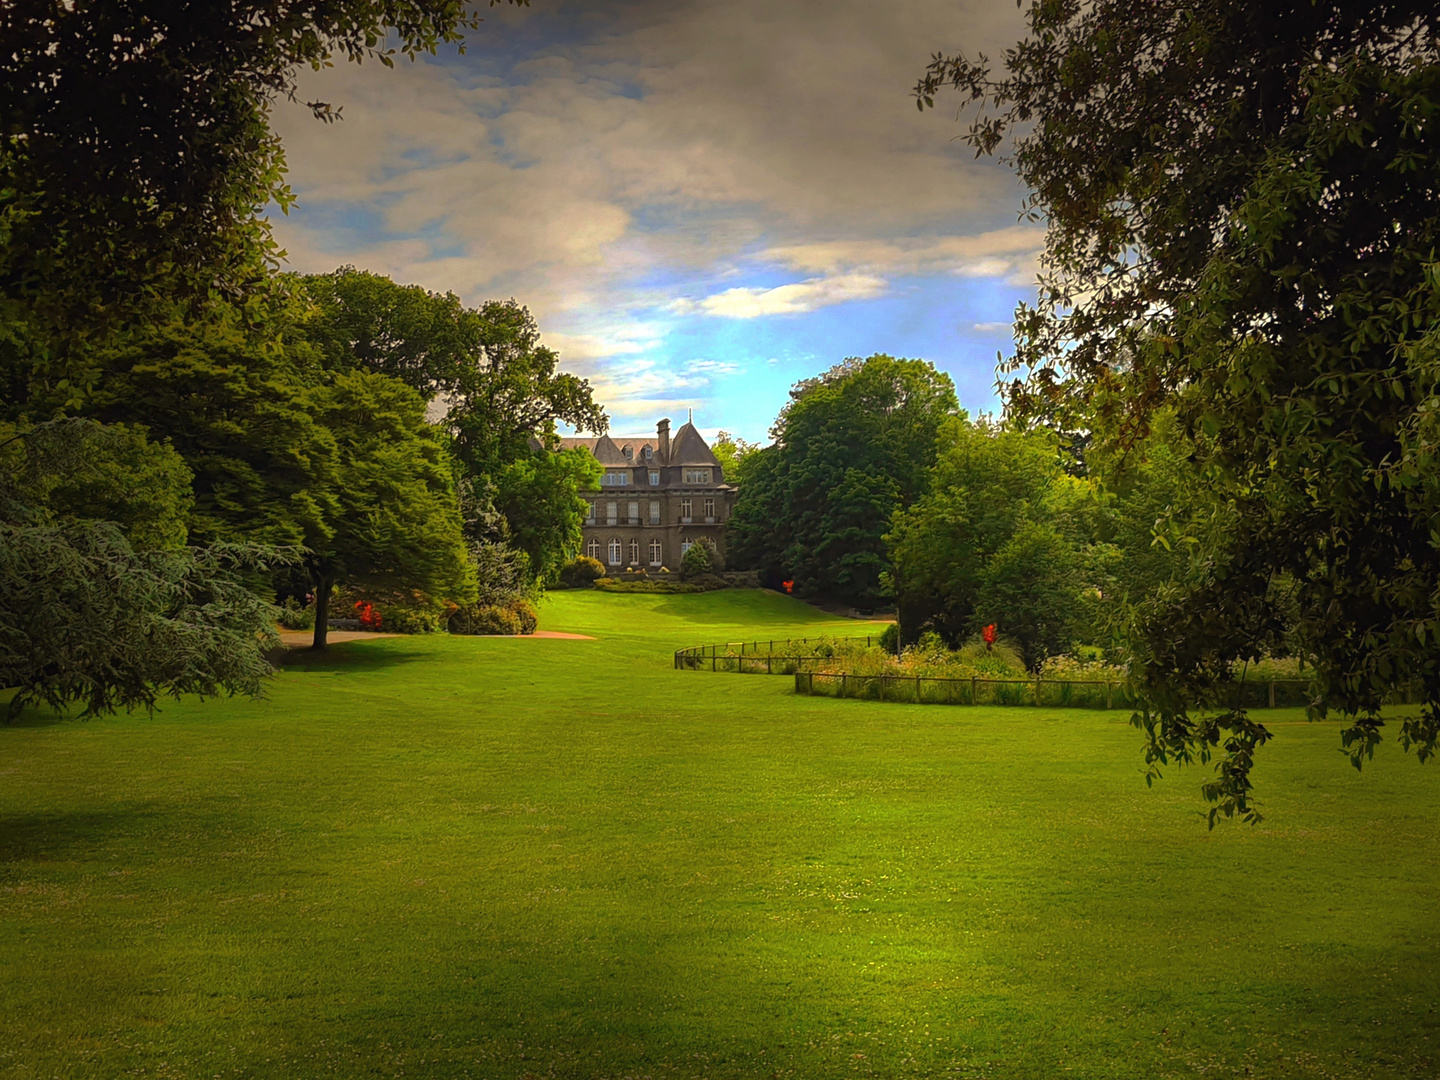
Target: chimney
<point>662,432</point>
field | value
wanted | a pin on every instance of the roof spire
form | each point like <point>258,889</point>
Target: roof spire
<point>692,416</point>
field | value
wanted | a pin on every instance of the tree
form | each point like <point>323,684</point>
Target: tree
<point>1242,216</point>
<point>136,156</point>
<point>501,393</point>
<point>1001,538</point>
<point>430,341</point>
<point>116,614</point>
<point>398,522</point>
<point>850,447</point>
<point>732,452</point>
<point>235,408</point>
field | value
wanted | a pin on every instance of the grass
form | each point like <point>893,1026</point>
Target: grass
<point>451,857</point>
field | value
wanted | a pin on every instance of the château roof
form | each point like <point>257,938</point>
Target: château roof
<point>689,448</point>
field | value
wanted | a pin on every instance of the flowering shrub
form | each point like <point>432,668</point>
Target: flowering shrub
<point>369,618</point>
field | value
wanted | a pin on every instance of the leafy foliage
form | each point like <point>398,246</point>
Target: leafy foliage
<point>1000,538</point>
<point>1243,217</point>
<point>581,570</point>
<point>733,453</point>
<point>236,409</point>
<point>398,525</point>
<point>695,561</point>
<point>500,392</point>
<point>117,615</point>
<point>851,446</point>
<point>135,149</point>
<point>75,470</point>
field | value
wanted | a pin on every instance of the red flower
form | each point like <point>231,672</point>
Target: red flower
<point>989,635</point>
<point>789,585</point>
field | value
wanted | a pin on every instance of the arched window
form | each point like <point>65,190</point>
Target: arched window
<point>615,551</point>
<point>655,550</point>
<point>634,552</point>
<point>593,549</point>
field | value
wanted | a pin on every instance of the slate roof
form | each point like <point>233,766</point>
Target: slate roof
<point>609,449</point>
<point>687,447</point>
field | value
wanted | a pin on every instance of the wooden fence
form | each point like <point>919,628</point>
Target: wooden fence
<point>760,658</point>
<point>1051,693</point>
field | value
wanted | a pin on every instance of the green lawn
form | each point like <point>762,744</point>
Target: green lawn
<point>444,857</point>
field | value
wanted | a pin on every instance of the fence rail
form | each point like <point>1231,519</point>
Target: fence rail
<point>759,658</point>
<point>1051,693</point>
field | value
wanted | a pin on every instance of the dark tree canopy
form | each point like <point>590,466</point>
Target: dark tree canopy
<point>851,446</point>
<point>1243,205</point>
<point>117,613</point>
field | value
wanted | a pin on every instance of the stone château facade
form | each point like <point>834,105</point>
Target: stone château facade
<point>657,497</point>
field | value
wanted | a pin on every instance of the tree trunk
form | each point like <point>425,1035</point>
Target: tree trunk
<point>322,610</point>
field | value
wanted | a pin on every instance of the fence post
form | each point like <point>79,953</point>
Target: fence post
<point>844,683</point>
<point>974,687</point>
<point>1109,697</point>
<point>1037,691</point>
<point>712,659</point>
<point>1272,693</point>
<point>917,689</point>
<point>769,665</point>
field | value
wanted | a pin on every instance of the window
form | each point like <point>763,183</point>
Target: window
<point>615,479</point>
<point>654,478</point>
<point>655,553</point>
<point>593,549</point>
<point>615,551</point>
<point>629,453</point>
<point>649,453</point>
<point>612,513</point>
<point>697,476</point>
<point>685,543</point>
<point>634,552</point>
<point>684,509</point>
<point>635,513</point>
<point>590,512</point>
<point>709,509</point>
<point>654,511</point>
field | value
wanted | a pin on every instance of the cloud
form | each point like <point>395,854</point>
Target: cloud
<point>992,327</point>
<point>622,166</point>
<point>749,302</point>
<point>714,367</point>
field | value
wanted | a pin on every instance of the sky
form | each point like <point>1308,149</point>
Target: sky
<point>701,202</point>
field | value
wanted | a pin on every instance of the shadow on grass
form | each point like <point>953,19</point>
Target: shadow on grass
<point>43,837</point>
<point>349,656</point>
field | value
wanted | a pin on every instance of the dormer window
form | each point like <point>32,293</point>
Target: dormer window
<point>649,453</point>
<point>628,452</point>
<point>697,476</point>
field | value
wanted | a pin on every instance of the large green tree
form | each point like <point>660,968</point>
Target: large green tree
<point>398,523</point>
<point>851,446</point>
<point>1243,209</point>
<point>500,392</point>
<point>1001,537</point>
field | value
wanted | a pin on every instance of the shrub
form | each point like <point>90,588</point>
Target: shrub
<point>581,571</point>
<point>517,617</point>
<point>398,612</point>
<point>708,582</point>
<point>695,561</point>
<point>888,638</point>
<point>622,585</point>
<point>295,616</point>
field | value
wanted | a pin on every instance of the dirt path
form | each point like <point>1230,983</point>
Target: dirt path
<point>299,639</point>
